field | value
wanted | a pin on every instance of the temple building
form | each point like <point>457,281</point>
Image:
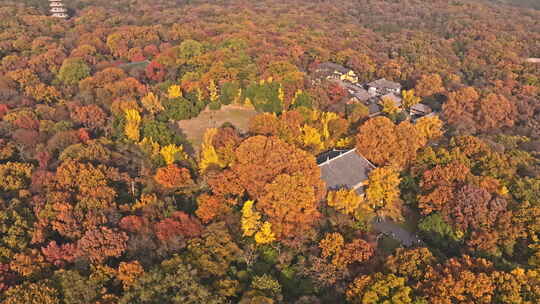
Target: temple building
<point>345,169</point>
<point>57,9</point>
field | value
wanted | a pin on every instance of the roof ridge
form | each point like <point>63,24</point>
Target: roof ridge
<point>340,155</point>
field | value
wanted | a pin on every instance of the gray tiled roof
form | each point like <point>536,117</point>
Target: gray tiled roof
<point>358,92</point>
<point>362,95</point>
<point>420,107</point>
<point>346,170</point>
<point>384,84</point>
<point>374,108</point>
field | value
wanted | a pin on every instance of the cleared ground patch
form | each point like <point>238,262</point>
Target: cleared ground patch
<point>194,128</point>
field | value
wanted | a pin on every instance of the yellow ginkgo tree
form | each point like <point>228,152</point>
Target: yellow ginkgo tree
<point>174,91</point>
<point>251,220</point>
<point>389,106</point>
<point>311,138</point>
<point>253,226</point>
<point>344,200</point>
<point>209,156</point>
<point>265,235</point>
<point>409,99</point>
<point>133,121</point>
<point>430,127</point>
<point>383,192</point>
<point>172,153</point>
<point>213,91</point>
<point>281,96</point>
<point>326,118</point>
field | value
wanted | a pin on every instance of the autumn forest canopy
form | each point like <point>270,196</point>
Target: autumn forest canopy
<point>299,151</point>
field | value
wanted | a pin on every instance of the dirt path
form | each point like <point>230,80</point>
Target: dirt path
<point>396,232</point>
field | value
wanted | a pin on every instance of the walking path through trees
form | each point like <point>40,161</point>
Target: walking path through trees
<point>390,228</point>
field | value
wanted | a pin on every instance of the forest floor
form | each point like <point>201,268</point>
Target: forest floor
<point>194,128</point>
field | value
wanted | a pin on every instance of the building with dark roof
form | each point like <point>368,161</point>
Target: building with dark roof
<point>420,109</point>
<point>344,169</point>
<point>358,92</point>
<point>333,71</point>
<point>383,87</point>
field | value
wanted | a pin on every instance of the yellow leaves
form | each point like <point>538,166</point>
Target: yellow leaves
<point>383,191</point>
<point>519,272</point>
<point>133,116</point>
<point>251,225</point>
<point>174,91</point>
<point>250,219</point>
<point>503,191</point>
<point>265,283</point>
<point>281,95</point>
<point>172,152</point>
<point>429,127</point>
<point>270,79</point>
<point>326,118</point>
<point>345,142</point>
<point>344,200</point>
<point>14,175</point>
<point>383,186</point>
<point>145,201</point>
<point>389,106</point>
<point>131,129</point>
<point>265,235</point>
<point>43,92</point>
<point>409,98</point>
<point>31,293</point>
<point>331,244</point>
<point>311,138</point>
<point>378,287</point>
<point>209,156</point>
<point>213,91</point>
<point>152,104</point>
<point>248,103</point>
<point>200,95</point>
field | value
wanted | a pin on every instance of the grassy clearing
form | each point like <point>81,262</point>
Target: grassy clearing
<point>194,128</point>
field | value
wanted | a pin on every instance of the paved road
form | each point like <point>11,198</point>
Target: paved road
<point>395,231</point>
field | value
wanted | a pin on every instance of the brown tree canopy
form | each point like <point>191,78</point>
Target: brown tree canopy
<point>384,143</point>
<point>429,85</point>
<point>291,204</point>
<point>440,185</point>
<point>260,159</point>
<point>469,111</point>
<point>459,280</point>
<point>101,243</point>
